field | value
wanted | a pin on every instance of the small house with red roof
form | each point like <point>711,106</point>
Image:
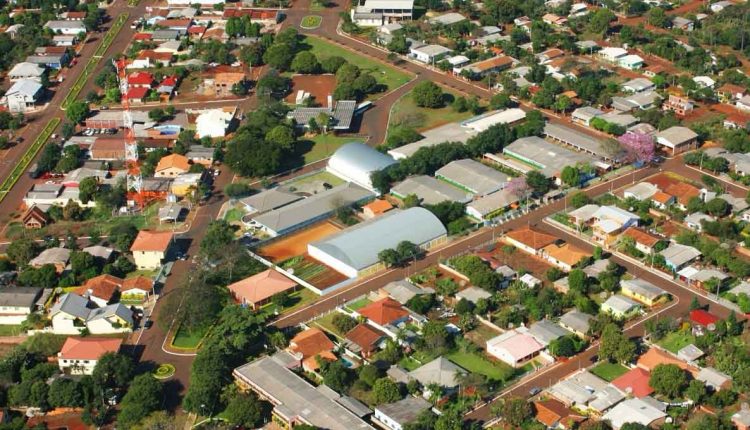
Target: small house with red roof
<point>136,289</point>
<point>137,94</point>
<point>35,218</point>
<point>376,208</point>
<point>167,86</point>
<point>102,289</point>
<point>257,290</point>
<point>79,355</point>
<point>309,345</point>
<point>384,312</point>
<point>142,36</point>
<point>150,248</point>
<point>364,340</point>
<point>704,319</point>
<point>555,415</point>
<point>140,79</point>
<point>634,382</point>
<point>149,58</point>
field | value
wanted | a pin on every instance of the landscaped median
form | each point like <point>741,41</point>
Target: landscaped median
<point>107,40</point>
<point>27,158</point>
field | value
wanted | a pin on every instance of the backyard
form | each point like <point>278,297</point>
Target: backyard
<point>476,363</point>
<point>406,112</point>
<point>385,75</point>
<point>677,340</point>
<point>609,371</point>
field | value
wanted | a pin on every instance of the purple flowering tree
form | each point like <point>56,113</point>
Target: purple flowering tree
<point>640,147</point>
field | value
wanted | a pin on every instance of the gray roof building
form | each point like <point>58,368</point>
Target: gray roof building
<point>676,136</point>
<point>56,256</point>
<point>472,176</point>
<point>449,18</point>
<point>356,248</point>
<point>294,398</point>
<point>99,251</point>
<point>451,132</point>
<point>271,199</point>
<point>621,119</point>
<point>341,114</point>
<point>545,156</point>
<point>429,190</point>
<point>576,321</point>
<point>19,297</point>
<point>484,206</point>
<point>116,309</point>
<point>439,371</point>
<point>642,288</point>
<point>26,70</point>
<point>713,378</point>
<point>678,255</point>
<point>579,140</point>
<point>165,34</point>
<point>638,84</point>
<point>545,331</point>
<point>402,412</point>
<point>473,294</point>
<point>585,114</point>
<point>402,291</point>
<point>311,209</point>
<point>620,304</point>
<point>71,304</point>
<point>690,353</point>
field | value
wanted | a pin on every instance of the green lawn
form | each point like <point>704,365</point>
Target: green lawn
<point>386,75</point>
<point>677,340</point>
<point>322,176</point>
<point>358,304</point>
<point>406,112</point>
<point>409,363</point>
<point>322,146</point>
<point>233,215</point>
<point>311,21</point>
<point>188,340</point>
<point>10,330</point>
<point>477,364</point>
<point>609,371</point>
<point>326,323</point>
<point>297,299</point>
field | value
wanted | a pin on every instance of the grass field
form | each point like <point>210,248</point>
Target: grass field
<point>311,21</point>
<point>609,371</point>
<point>677,340</point>
<point>10,330</point>
<point>406,112</point>
<point>322,146</point>
<point>326,323</point>
<point>234,214</point>
<point>188,340</point>
<point>358,304</point>
<point>478,364</point>
<point>385,75</point>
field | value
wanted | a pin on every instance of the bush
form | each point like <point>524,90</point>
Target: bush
<point>428,94</point>
<point>238,190</point>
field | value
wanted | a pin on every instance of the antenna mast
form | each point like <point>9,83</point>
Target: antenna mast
<point>134,179</point>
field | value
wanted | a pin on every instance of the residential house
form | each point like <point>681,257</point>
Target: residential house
<point>564,255</point>
<point>446,19</point>
<point>364,340</point>
<point>150,58</point>
<point>656,356</point>
<point>610,221</point>
<point>680,105</point>
<point>439,371</point>
<point>22,96</point>
<point>137,95</point>
<point>683,24</point>
<point>634,382</point>
<point>643,240</point>
<point>630,62</point>
<point>16,303</point>
<point>101,290</point>
<point>428,54</point>
<point>586,392</point>
<point>677,139</point>
<point>66,27</point>
<point>171,166</point>
<point>108,149</point>
<point>57,257</point>
<point>695,220</point>
<point>310,345</point>
<point>743,103</point>
<point>80,355</point>
<point>375,13</point>
<point>645,411</point>
<point>729,93</point>
<point>224,82</point>
<point>554,20</point>
<point>14,30</point>
<point>529,240</point>
<point>72,313</point>
<point>741,418</point>
<point>620,307</point>
<point>514,347</point>
<point>545,331</point>
<point>714,379</point>
<point>473,294</point>
<point>258,290</point>
<point>34,218</point>
<point>642,290</point>
<point>555,415</point>
<point>690,353</point>
<point>577,322</point>
<point>677,256</point>
<point>638,85</point>
<point>65,40</point>
<point>641,191</point>
<point>403,291</point>
<point>394,416</point>
<point>25,70</point>
<point>612,54</point>
<point>384,312</point>
<point>136,289</point>
<point>485,67</point>
<point>704,319</point>
<point>214,122</point>
<point>584,115</point>
<point>150,248</point>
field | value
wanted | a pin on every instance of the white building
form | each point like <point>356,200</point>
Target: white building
<point>354,251</point>
<point>429,54</point>
<point>25,70</point>
<point>514,347</point>
<point>79,356</point>
<point>355,162</point>
<point>22,95</point>
<point>16,303</point>
<point>66,27</point>
<point>213,123</point>
<point>395,416</point>
<point>72,313</point>
<point>645,411</point>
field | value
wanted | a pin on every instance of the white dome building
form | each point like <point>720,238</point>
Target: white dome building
<point>355,162</point>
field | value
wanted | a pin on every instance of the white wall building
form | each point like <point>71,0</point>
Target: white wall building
<point>355,162</point>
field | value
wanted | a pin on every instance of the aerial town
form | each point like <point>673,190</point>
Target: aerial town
<point>375,214</point>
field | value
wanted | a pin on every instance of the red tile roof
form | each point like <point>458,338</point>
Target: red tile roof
<point>635,382</point>
<point>261,286</point>
<point>137,93</point>
<point>641,236</point>
<point>140,78</point>
<point>90,348</point>
<point>142,36</point>
<point>152,241</point>
<point>310,343</point>
<point>137,283</point>
<point>365,337</point>
<point>655,356</point>
<point>102,287</point>
<point>532,238</point>
<point>384,311</point>
<point>704,318</point>
<point>169,81</point>
<point>551,412</point>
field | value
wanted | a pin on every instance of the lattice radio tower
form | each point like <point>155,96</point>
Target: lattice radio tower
<point>134,179</point>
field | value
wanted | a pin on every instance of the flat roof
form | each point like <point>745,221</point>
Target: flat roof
<point>546,156</point>
<point>451,132</point>
<point>430,190</point>
<point>295,397</point>
<point>483,122</point>
<point>577,139</point>
<point>473,176</point>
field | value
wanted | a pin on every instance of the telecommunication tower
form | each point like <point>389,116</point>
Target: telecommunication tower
<point>134,178</point>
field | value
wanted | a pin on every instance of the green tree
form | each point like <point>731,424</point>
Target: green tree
<point>615,346</point>
<point>244,410</point>
<point>113,371</point>
<point>696,391</point>
<point>428,94</point>
<point>343,323</point>
<point>385,391</point>
<point>279,56</point>
<point>398,44</point>
<point>21,251</point>
<point>122,235</point>
<point>538,182</point>
<point>571,176</point>
<point>305,62</point>
<point>143,397</point>
<point>336,376</point>
<point>717,207</point>
<point>668,380</point>
<point>516,410</point>
<point>77,111</point>
<point>389,257</point>
<point>87,189</point>
<point>65,393</point>
<point>579,199</point>
<point>281,135</point>
<point>218,235</point>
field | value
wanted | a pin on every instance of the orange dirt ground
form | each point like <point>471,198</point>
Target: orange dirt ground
<point>319,86</point>
<point>296,243</point>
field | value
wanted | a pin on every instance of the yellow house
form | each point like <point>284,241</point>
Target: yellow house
<point>150,248</point>
<point>172,166</point>
<point>642,291</point>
